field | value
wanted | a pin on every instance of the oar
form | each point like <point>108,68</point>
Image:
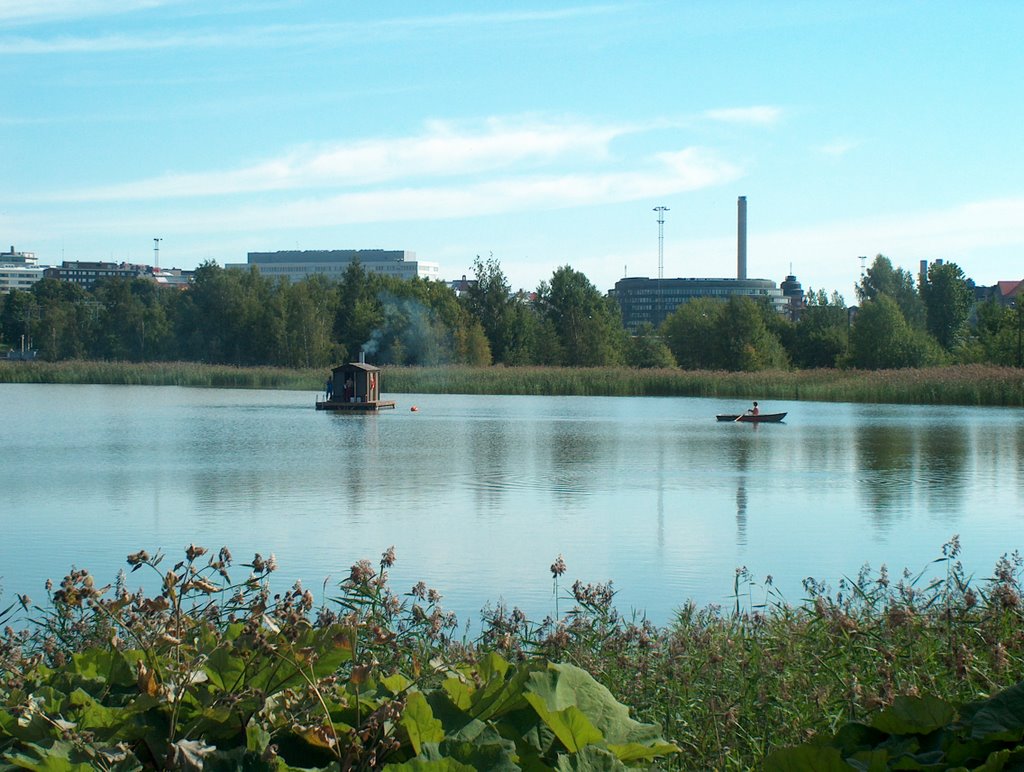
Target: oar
<point>739,417</point>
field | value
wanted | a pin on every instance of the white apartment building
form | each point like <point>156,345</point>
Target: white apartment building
<point>18,270</point>
<point>296,265</point>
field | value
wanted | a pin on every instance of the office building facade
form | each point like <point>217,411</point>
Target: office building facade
<point>650,301</point>
<point>296,265</point>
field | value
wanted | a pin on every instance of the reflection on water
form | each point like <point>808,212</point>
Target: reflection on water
<point>913,465</point>
<point>741,513</point>
<point>479,494</point>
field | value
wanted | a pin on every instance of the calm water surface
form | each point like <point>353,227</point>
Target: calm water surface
<point>479,494</point>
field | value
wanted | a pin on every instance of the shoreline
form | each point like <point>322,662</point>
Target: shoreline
<point>967,385</point>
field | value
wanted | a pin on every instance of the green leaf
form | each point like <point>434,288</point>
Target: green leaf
<point>806,758</point>
<point>501,693</point>
<point>570,724</point>
<point>396,683</point>
<point>102,666</point>
<point>870,761</point>
<point>459,692</point>
<point>562,685</point>
<point>590,759</point>
<point>257,738</point>
<point>418,720</point>
<point>914,715</point>
<point>59,756</point>
<point>492,666</point>
<point>92,716</point>
<point>630,752</point>
<point>853,737</point>
<point>433,765</point>
<point>998,718</point>
<point>224,669</point>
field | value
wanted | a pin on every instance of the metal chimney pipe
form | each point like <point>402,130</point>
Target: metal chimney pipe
<point>741,238</point>
<point>362,357</point>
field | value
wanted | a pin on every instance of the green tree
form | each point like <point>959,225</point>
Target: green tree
<point>947,301</point>
<point>490,300</point>
<point>588,325</point>
<point>745,340</point>
<point>823,332</point>
<point>234,317</point>
<point>690,333</point>
<point>309,307</point>
<point>999,331</point>
<point>882,339</point>
<point>20,319</point>
<point>122,332</point>
<point>646,349</point>
<point>883,279</point>
<point>359,311</point>
<point>65,317</point>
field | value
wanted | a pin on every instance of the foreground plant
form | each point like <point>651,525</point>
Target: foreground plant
<point>920,733</point>
<point>213,674</point>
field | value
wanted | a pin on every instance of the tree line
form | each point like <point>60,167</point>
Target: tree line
<point>245,318</point>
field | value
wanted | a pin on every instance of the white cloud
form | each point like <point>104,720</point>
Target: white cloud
<point>275,35</point>
<point>19,11</point>
<point>442,150</point>
<point>839,146</point>
<point>985,238</point>
<point>758,115</point>
<point>680,172</point>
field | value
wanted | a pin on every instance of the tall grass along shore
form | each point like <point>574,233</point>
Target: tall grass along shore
<point>955,385</point>
<point>214,669</point>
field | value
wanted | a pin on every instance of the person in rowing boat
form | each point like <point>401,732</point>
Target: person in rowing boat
<point>755,410</point>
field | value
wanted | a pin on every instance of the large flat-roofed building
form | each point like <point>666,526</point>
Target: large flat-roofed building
<point>650,301</point>
<point>18,277</point>
<point>13,257</point>
<point>18,270</point>
<point>296,265</point>
<point>87,273</point>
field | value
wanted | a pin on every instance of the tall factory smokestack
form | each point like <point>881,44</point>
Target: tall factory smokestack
<point>741,238</point>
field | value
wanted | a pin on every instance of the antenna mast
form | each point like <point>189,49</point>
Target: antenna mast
<point>661,239</point>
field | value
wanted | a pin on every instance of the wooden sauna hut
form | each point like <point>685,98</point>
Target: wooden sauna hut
<point>356,388</point>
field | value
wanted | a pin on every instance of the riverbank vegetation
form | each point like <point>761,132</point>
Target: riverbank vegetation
<point>951,385</point>
<point>241,318</point>
<point>213,669</point>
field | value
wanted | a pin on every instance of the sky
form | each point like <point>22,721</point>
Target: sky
<point>541,134</point>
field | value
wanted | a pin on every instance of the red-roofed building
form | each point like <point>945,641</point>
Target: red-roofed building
<point>1007,292</point>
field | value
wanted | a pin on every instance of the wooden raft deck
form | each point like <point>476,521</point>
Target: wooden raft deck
<point>356,407</point>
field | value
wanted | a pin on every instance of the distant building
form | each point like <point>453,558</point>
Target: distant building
<point>463,286</point>
<point>18,270</point>
<point>296,265</point>
<point>794,294</point>
<point>172,278</point>
<point>86,274</point>
<point>18,277</point>
<point>1005,293</point>
<point>644,300</point>
<point>17,258</point>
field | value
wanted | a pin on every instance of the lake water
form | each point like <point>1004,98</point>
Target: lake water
<point>479,494</point>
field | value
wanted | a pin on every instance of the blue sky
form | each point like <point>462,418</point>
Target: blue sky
<point>543,133</point>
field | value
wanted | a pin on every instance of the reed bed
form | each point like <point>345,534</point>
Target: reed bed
<point>959,385</point>
<point>727,686</point>
<point>161,374</point>
<point>979,385</point>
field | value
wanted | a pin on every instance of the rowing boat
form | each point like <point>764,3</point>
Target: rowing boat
<point>761,418</point>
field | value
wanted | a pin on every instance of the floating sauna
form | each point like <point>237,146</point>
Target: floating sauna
<point>356,388</point>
